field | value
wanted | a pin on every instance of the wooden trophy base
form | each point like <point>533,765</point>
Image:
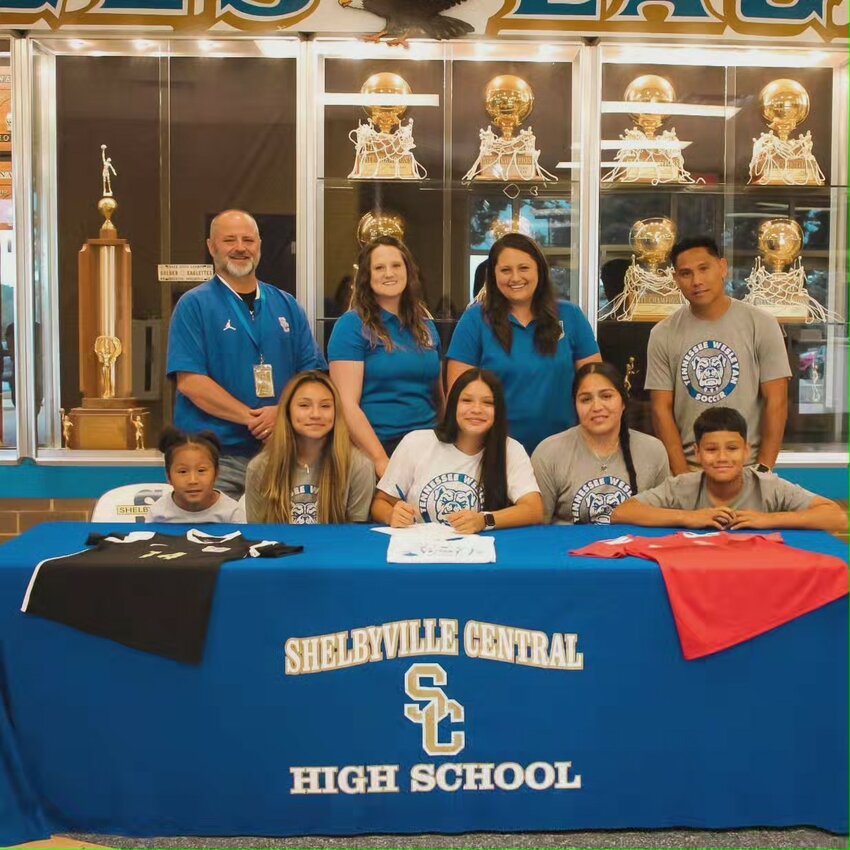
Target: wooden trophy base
<point>647,310</point>
<point>104,428</point>
<point>790,313</point>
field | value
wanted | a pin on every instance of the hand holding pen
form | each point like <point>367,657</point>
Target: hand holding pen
<point>403,514</point>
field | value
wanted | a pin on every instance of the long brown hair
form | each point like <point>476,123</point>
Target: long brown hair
<point>281,460</point>
<point>497,308</point>
<point>413,314</point>
<point>612,375</point>
<point>494,476</point>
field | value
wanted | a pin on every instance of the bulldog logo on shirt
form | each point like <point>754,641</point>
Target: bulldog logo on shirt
<point>710,371</point>
<point>305,509</point>
<point>447,494</point>
<point>596,499</point>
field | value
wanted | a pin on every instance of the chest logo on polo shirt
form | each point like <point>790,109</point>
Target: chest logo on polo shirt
<point>283,323</point>
<point>304,499</point>
<point>710,371</point>
<point>229,326</point>
<point>596,499</point>
<point>448,493</point>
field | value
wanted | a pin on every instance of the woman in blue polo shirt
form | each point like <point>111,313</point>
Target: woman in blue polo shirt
<point>384,353</point>
<point>532,341</point>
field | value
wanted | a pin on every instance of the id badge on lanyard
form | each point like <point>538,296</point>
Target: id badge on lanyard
<point>263,379</point>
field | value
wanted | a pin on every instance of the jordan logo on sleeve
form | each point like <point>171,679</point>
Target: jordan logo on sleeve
<point>710,371</point>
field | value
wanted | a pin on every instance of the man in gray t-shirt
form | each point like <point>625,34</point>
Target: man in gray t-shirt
<point>715,350</point>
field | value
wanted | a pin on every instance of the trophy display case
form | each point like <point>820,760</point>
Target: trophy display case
<point>738,145</point>
<point>605,153</point>
<point>186,142</point>
<point>440,144</point>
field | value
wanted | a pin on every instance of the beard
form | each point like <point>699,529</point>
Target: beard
<point>239,268</point>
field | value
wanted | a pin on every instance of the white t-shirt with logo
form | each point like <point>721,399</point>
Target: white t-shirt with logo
<point>438,479</point>
<point>721,362</point>
<point>575,487</point>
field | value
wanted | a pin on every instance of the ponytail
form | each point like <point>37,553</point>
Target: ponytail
<point>626,448</point>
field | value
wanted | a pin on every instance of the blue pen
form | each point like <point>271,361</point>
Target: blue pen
<point>400,492</point>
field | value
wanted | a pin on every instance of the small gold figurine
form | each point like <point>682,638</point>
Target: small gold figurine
<point>107,168</point>
<point>67,427</point>
<point>108,350</point>
<point>631,370</point>
<point>139,427</point>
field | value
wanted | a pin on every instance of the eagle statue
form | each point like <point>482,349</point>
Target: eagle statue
<point>403,18</point>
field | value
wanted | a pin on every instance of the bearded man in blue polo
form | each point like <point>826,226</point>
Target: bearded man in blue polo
<point>233,344</point>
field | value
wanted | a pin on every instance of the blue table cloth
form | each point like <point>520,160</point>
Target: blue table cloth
<point>621,732</point>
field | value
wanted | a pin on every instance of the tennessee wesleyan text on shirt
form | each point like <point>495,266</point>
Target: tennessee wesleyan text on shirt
<point>398,385</point>
<point>212,333</point>
<point>538,388</point>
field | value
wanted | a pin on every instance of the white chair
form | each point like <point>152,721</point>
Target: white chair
<point>131,503</point>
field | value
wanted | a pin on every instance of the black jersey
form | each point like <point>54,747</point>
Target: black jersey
<point>145,589</point>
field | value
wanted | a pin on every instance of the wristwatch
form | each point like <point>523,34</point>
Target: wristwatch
<point>489,521</point>
<point>762,467</point>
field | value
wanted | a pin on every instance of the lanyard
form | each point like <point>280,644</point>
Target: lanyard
<point>249,325</point>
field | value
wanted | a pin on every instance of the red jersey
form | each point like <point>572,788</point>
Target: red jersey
<point>727,588</point>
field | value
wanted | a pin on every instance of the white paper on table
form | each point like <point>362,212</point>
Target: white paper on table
<point>420,530</point>
<point>465,549</point>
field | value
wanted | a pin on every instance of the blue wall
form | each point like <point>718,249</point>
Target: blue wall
<point>31,481</point>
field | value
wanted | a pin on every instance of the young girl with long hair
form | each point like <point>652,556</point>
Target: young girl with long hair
<point>531,340</point>
<point>586,471</point>
<point>384,353</point>
<point>467,472</point>
<point>308,472</point>
<point>191,466</point>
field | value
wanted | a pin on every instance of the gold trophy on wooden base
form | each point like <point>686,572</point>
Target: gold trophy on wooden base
<point>385,153</point>
<point>649,291</point>
<point>645,156</point>
<point>778,280</point>
<point>106,418</point>
<point>779,160</point>
<point>513,157</point>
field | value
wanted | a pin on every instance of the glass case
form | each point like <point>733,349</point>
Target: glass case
<point>194,126</point>
<point>709,109</point>
<point>449,214</point>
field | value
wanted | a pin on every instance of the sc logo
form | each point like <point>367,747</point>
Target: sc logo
<point>438,708</point>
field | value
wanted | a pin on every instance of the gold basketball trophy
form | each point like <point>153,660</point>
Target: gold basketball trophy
<point>649,291</point>
<point>385,153</point>
<point>513,156</point>
<point>379,223</point>
<point>779,160</point>
<point>644,156</point>
<point>110,418</point>
<point>778,280</point>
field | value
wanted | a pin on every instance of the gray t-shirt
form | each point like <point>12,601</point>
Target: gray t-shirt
<point>574,486</point>
<point>721,362</point>
<point>225,509</point>
<point>305,490</point>
<point>761,492</point>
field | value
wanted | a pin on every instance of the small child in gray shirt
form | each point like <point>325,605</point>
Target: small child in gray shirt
<point>726,494</point>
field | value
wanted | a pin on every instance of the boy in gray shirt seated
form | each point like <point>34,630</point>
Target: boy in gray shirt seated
<point>727,494</point>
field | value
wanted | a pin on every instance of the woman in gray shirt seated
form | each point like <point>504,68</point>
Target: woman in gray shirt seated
<point>308,471</point>
<point>586,471</point>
